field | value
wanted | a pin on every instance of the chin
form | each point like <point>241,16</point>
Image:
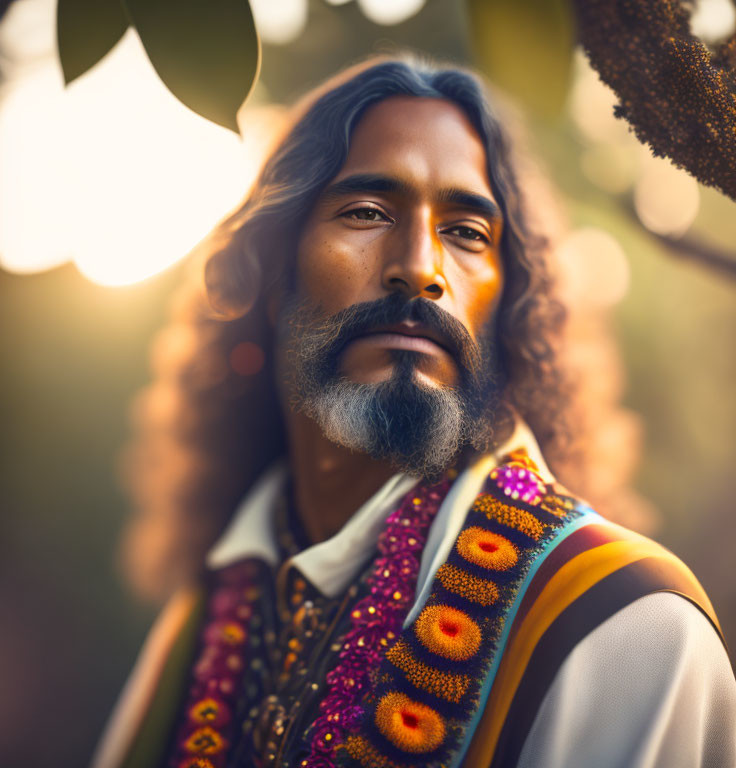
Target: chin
<point>409,419</point>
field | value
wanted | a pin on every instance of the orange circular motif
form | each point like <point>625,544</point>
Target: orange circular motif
<point>448,632</point>
<point>409,725</point>
<point>205,741</point>
<point>206,710</point>
<point>196,762</point>
<point>487,549</point>
<point>233,633</point>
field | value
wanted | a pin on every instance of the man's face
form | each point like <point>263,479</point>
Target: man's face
<point>411,212</point>
<point>398,278</point>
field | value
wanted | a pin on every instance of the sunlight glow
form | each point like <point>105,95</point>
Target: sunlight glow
<point>279,21</point>
<point>713,20</point>
<point>666,198</point>
<point>390,12</point>
<point>35,221</point>
<point>591,106</point>
<point>112,171</point>
<point>593,268</point>
<point>610,166</point>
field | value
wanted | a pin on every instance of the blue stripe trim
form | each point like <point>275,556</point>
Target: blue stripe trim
<point>588,517</point>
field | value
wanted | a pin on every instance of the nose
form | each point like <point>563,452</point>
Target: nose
<point>413,264</point>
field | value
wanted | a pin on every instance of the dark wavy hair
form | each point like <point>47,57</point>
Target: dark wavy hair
<point>205,430</point>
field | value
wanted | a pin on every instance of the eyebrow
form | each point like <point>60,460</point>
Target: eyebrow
<point>369,182</point>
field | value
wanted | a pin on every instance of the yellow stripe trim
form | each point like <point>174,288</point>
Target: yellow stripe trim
<point>567,585</point>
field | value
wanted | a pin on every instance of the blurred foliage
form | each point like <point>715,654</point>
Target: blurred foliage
<point>207,54</point>
<point>526,49</point>
<point>336,37</point>
<point>86,31</point>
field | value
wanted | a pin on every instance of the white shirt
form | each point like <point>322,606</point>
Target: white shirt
<point>651,687</point>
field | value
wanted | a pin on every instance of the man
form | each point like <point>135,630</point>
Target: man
<point>405,583</point>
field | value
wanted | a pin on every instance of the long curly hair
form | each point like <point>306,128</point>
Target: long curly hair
<point>211,422</point>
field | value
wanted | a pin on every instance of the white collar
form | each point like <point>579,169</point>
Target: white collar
<point>331,565</point>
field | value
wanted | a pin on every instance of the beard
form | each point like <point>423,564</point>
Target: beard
<point>419,428</point>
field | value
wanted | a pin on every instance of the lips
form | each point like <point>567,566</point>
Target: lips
<point>408,334</point>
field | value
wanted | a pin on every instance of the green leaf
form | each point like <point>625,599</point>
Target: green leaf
<point>86,30</point>
<point>525,47</point>
<point>206,52</point>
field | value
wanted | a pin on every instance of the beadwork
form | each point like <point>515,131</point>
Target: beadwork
<point>513,517</point>
<point>394,694</point>
<point>375,621</point>
<point>425,689</point>
<point>203,737</point>
<point>463,584</point>
<point>364,753</point>
<point>445,685</point>
<point>519,478</point>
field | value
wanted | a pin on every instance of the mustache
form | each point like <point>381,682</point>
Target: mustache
<point>333,333</point>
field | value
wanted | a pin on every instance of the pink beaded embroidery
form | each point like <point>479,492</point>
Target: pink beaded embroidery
<point>518,479</point>
<point>375,620</point>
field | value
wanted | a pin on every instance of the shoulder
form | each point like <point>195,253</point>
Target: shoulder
<point>649,687</point>
<point>660,637</point>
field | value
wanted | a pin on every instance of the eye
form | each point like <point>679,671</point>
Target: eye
<point>365,214</point>
<point>467,233</point>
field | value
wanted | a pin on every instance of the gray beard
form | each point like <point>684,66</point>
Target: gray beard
<point>420,432</point>
<point>418,428</point>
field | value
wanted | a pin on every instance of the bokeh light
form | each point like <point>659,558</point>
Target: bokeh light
<point>390,11</point>
<point>713,20</point>
<point>75,353</point>
<point>247,358</point>
<point>36,180</point>
<point>279,21</point>
<point>113,171</point>
<point>666,198</point>
<point>591,106</point>
<point>593,268</point>
<point>611,167</point>
<point>26,36</point>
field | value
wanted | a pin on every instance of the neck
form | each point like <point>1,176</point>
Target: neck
<point>330,482</point>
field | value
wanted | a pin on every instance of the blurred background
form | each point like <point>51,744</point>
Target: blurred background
<point>106,186</point>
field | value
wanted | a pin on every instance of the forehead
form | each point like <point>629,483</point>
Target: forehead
<point>425,142</point>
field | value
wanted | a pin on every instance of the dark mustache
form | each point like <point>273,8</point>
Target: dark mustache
<point>361,319</point>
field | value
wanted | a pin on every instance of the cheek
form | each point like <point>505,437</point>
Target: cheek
<point>479,294</point>
<point>333,272</point>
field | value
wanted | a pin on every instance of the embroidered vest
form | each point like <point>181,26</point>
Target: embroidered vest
<point>531,573</point>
